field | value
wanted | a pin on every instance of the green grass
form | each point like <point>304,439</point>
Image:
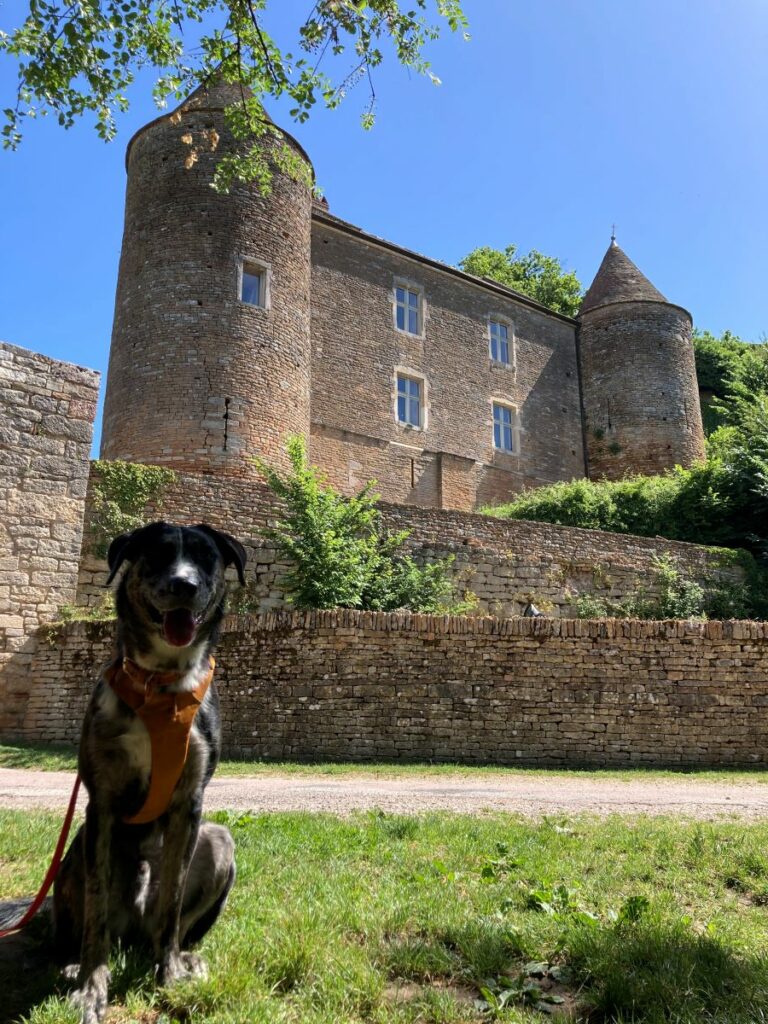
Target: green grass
<point>377,918</point>
<point>48,758</point>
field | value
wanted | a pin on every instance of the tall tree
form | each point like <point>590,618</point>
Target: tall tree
<point>77,58</point>
<point>541,277</point>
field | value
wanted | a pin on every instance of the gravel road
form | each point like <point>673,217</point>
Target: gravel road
<point>529,795</point>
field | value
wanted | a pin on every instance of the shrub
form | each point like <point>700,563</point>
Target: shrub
<point>679,597</point>
<point>341,554</point>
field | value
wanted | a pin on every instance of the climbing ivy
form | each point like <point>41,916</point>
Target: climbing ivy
<point>120,494</point>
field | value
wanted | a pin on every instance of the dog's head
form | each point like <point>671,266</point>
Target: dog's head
<point>174,587</point>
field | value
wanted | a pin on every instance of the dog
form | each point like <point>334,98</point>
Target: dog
<point>158,881</point>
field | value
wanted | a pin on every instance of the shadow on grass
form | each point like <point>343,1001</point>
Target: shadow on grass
<point>57,757</point>
<point>650,972</point>
<point>657,972</point>
<point>28,974</point>
<point>38,757</point>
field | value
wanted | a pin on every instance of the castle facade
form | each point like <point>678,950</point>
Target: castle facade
<point>243,318</point>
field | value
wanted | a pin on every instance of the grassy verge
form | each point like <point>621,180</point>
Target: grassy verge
<point>42,758</point>
<point>446,919</point>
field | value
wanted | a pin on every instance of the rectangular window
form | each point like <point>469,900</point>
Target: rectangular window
<point>503,434</point>
<point>252,281</point>
<point>499,341</point>
<point>407,310</point>
<point>408,401</point>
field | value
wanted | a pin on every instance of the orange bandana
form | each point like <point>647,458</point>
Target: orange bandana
<point>168,718</point>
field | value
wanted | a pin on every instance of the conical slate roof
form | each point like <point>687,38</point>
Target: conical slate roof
<point>215,94</point>
<point>619,280</point>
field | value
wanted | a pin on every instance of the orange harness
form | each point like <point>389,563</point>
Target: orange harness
<point>168,718</point>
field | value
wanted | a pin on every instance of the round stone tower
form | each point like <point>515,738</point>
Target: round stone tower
<point>210,355</point>
<point>641,399</point>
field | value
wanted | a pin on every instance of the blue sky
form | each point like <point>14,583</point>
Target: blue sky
<point>556,120</point>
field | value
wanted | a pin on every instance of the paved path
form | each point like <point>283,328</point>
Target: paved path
<point>529,795</point>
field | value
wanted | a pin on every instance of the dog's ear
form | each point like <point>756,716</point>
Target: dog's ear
<point>126,546</point>
<point>232,551</point>
<point>119,550</point>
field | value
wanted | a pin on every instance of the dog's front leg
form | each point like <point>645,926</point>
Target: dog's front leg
<point>178,845</point>
<point>93,993</point>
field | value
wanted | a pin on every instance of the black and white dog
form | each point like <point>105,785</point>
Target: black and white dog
<point>163,883</point>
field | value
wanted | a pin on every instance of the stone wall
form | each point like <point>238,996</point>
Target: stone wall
<point>357,686</point>
<point>505,564</point>
<point>238,506</point>
<point>357,352</point>
<point>48,408</point>
<point>508,563</point>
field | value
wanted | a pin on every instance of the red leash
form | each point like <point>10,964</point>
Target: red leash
<point>53,870</point>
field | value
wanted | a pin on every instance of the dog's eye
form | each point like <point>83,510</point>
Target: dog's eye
<point>163,554</point>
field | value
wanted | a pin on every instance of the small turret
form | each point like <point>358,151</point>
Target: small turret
<point>210,355</point>
<point>641,400</point>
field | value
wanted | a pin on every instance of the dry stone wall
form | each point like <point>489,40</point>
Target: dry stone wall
<point>45,438</point>
<point>362,685</point>
<point>505,564</point>
<point>508,563</point>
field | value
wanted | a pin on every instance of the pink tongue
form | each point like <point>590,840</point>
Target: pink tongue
<point>179,627</point>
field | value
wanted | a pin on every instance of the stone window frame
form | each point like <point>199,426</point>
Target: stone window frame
<point>411,374</point>
<point>516,428</point>
<point>412,286</point>
<point>265,272</point>
<point>505,321</point>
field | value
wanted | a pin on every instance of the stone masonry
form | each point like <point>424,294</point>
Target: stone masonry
<point>504,563</point>
<point>214,378</point>
<point>211,379</point>
<point>355,433</point>
<point>363,685</point>
<point>203,375</point>
<point>45,439</point>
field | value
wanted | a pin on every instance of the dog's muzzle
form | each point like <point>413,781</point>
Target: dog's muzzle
<point>179,626</point>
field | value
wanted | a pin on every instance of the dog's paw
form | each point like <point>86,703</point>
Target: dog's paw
<point>181,967</point>
<point>92,996</point>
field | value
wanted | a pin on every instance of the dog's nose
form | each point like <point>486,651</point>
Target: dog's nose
<point>182,586</point>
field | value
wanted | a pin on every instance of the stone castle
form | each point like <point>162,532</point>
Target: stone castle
<point>241,319</point>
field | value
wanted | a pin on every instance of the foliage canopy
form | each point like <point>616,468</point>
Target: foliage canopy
<point>534,274</point>
<point>717,358</point>
<point>82,58</point>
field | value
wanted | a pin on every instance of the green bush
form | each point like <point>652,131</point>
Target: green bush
<point>341,554</point>
<point>718,362</point>
<point>721,501</point>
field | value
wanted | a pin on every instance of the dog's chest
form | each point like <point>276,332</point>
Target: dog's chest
<point>130,742</point>
<point>137,748</point>
<point>124,738</point>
